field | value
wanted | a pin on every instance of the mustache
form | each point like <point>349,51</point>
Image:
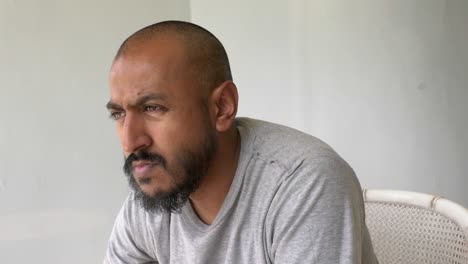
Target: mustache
<point>143,155</point>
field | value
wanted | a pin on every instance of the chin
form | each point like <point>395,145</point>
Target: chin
<point>153,190</point>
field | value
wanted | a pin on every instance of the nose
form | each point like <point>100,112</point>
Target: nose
<point>133,134</point>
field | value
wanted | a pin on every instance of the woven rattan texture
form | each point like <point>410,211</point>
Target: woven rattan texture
<point>409,234</point>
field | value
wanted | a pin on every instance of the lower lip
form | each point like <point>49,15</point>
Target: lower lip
<point>142,170</point>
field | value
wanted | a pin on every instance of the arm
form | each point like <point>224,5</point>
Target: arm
<point>317,216</point>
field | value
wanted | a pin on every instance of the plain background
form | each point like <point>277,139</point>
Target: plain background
<point>383,82</point>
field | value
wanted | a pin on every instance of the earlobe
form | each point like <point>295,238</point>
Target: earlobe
<point>225,101</point>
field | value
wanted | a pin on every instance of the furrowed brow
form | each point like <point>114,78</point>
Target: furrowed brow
<point>148,97</point>
<point>140,101</point>
<point>111,105</point>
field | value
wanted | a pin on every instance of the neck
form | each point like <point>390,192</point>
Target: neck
<point>207,200</point>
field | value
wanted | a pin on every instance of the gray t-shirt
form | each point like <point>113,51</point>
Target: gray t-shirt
<point>292,200</point>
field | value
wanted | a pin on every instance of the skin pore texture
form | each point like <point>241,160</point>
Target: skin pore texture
<point>176,130</point>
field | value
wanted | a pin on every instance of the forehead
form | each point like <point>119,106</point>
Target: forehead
<point>160,64</point>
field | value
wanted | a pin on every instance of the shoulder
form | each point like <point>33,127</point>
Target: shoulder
<point>282,141</point>
<point>296,165</point>
<point>287,147</point>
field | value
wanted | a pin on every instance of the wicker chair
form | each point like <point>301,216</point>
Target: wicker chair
<point>408,227</point>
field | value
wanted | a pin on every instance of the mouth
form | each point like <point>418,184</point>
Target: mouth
<point>141,169</point>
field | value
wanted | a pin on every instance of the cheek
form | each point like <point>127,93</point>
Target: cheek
<point>166,140</point>
<point>171,132</point>
<point>171,141</point>
<point>178,131</point>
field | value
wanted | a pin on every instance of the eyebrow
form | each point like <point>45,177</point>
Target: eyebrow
<point>111,105</point>
<point>140,101</point>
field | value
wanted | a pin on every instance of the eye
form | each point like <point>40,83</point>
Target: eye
<point>154,108</point>
<point>116,115</point>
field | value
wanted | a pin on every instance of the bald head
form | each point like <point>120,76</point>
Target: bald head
<point>204,52</point>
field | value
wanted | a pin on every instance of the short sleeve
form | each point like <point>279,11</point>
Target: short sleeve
<point>317,215</point>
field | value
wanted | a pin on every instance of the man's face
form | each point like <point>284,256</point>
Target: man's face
<point>163,123</point>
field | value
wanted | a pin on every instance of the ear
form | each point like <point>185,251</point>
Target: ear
<point>224,100</point>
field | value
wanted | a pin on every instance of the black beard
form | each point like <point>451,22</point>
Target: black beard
<point>193,166</point>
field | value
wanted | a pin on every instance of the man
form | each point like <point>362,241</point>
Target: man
<point>210,188</point>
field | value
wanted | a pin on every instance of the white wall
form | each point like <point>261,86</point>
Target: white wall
<point>384,82</point>
<point>61,183</point>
